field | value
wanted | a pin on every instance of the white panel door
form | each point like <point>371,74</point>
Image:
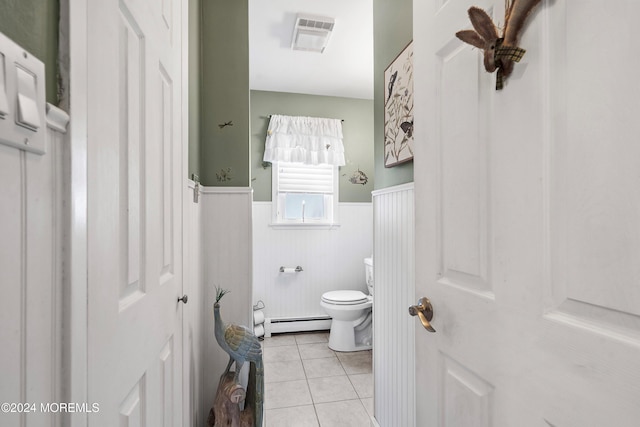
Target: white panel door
<point>528,220</point>
<point>135,212</point>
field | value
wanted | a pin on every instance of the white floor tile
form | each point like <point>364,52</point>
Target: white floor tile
<point>279,340</point>
<point>325,367</point>
<point>331,389</point>
<point>363,383</point>
<point>283,371</point>
<point>358,362</point>
<point>297,416</point>
<point>348,413</point>
<point>315,351</point>
<point>286,394</point>
<point>312,337</point>
<point>284,353</point>
<point>368,405</point>
<point>308,384</point>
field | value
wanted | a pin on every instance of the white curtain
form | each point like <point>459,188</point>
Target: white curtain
<point>308,140</point>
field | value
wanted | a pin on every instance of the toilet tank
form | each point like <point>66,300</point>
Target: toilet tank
<point>368,271</point>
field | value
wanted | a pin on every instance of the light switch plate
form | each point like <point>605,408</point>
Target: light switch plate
<point>22,98</point>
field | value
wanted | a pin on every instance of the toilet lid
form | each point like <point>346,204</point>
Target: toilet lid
<point>344,297</point>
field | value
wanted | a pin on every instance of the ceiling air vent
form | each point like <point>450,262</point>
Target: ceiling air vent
<point>312,33</point>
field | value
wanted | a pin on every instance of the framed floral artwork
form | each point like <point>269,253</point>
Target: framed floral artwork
<point>398,109</point>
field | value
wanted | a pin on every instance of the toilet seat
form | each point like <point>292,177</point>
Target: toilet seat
<point>344,297</point>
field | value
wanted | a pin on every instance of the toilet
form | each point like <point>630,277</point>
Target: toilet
<point>351,315</point>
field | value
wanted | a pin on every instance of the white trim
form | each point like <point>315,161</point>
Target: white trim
<point>185,393</point>
<point>356,204</point>
<point>57,119</point>
<point>77,277</point>
<point>225,190</point>
<point>393,189</point>
<point>303,226</point>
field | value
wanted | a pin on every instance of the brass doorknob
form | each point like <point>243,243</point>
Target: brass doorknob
<point>424,310</point>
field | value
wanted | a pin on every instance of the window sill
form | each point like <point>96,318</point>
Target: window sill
<point>303,226</point>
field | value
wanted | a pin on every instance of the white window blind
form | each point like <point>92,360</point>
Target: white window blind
<point>304,194</point>
<point>295,178</point>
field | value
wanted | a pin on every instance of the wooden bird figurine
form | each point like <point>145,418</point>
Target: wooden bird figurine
<point>500,53</point>
<point>242,346</point>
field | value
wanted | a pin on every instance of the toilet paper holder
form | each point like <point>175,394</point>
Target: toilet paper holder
<point>298,269</point>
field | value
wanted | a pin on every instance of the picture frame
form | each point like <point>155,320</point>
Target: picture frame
<point>398,109</point>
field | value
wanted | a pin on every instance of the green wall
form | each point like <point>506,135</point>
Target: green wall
<point>195,76</point>
<point>357,130</point>
<point>392,31</point>
<point>33,24</point>
<point>225,93</point>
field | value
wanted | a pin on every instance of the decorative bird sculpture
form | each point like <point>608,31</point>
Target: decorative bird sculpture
<point>242,346</point>
<point>500,53</point>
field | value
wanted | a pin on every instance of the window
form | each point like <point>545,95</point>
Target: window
<point>304,194</point>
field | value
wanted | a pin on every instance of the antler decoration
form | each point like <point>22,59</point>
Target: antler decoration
<point>499,52</point>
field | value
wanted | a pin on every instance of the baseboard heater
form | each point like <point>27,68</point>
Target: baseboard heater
<point>296,324</point>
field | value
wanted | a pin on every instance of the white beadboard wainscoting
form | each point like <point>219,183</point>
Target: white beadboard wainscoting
<point>393,328</point>
<point>32,193</point>
<point>194,313</point>
<point>331,259</point>
<point>226,260</point>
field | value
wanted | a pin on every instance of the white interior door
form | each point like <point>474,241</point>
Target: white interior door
<point>135,153</point>
<point>528,220</point>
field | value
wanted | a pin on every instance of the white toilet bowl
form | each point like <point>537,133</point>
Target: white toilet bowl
<point>351,324</point>
<point>351,313</point>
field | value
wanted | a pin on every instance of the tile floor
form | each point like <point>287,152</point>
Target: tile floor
<point>308,384</point>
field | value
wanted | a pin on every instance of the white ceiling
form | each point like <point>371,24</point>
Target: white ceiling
<point>344,69</point>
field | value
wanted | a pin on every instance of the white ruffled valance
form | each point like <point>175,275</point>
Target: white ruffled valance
<point>308,140</point>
